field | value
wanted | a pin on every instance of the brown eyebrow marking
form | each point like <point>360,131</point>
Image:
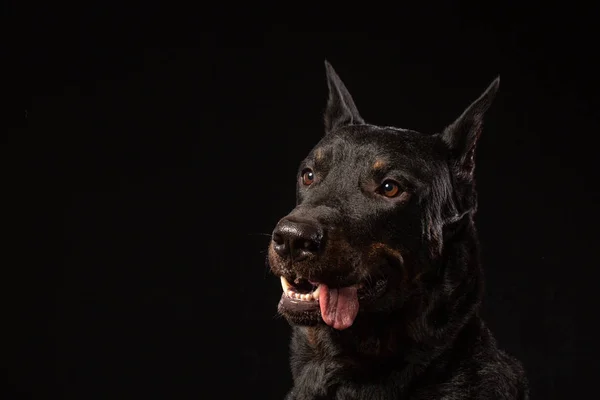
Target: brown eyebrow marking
<point>318,154</point>
<point>379,164</point>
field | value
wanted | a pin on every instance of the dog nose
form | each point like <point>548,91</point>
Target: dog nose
<point>297,239</point>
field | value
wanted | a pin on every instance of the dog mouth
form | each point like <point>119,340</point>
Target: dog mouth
<point>301,289</point>
<point>306,302</point>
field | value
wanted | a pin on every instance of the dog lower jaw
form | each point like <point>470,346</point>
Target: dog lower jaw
<point>299,308</point>
<point>299,313</point>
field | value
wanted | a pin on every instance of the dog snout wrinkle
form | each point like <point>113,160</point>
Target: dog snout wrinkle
<point>327,215</point>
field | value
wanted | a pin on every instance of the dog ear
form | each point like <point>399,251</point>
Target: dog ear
<point>461,136</point>
<point>341,110</point>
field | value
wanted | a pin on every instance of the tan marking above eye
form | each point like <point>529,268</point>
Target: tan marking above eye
<point>379,164</point>
<point>319,154</point>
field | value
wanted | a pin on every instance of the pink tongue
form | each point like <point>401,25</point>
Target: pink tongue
<point>338,306</point>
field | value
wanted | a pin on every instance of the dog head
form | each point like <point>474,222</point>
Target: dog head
<point>375,206</point>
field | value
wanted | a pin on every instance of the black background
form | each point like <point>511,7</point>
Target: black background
<point>158,148</point>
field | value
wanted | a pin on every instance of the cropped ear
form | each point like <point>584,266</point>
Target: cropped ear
<point>461,136</point>
<point>341,110</point>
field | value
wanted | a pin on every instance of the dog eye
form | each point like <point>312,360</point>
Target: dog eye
<point>389,188</point>
<point>308,177</point>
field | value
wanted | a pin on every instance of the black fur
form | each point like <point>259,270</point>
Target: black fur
<point>418,333</point>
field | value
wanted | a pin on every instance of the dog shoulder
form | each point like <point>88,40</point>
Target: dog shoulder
<point>494,373</point>
<point>501,377</point>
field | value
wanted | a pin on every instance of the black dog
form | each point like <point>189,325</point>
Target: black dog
<point>379,264</point>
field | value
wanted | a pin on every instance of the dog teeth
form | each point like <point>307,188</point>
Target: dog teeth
<point>289,291</point>
<point>315,293</point>
<point>285,284</point>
